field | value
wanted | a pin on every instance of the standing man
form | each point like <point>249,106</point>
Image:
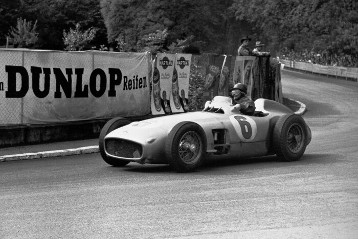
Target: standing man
<point>244,49</point>
<point>258,50</point>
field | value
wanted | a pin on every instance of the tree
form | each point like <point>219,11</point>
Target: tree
<point>9,13</point>
<point>154,42</point>
<point>313,26</point>
<point>209,22</point>
<point>76,39</point>
<point>25,34</point>
<point>54,17</point>
<point>124,20</point>
<point>268,18</point>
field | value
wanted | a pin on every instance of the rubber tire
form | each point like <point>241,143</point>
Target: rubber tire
<point>280,146</point>
<point>172,146</point>
<point>111,125</point>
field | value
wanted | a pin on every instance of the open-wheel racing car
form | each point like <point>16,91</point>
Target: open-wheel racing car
<point>186,140</point>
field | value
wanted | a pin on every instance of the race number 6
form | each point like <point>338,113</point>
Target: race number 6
<point>246,129</point>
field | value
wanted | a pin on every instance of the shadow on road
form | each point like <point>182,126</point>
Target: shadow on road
<point>218,164</point>
<point>315,108</point>
<point>148,168</point>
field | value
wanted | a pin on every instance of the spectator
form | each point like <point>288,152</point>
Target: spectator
<point>323,57</point>
<point>258,50</point>
<point>243,48</point>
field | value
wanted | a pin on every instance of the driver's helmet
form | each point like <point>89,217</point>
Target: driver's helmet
<point>240,86</point>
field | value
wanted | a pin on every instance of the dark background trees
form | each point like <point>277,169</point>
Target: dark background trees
<point>53,17</point>
<point>212,24</point>
<point>9,12</point>
<point>327,27</point>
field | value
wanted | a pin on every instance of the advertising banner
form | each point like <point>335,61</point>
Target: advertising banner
<point>243,72</point>
<point>10,108</point>
<point>156,103</point>
<point>57,86</point>
<point>180,83</point>
<point>163,69</point>
<point>212,78</point>
<point>132,94</point>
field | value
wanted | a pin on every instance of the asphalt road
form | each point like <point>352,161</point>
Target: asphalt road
<point>316,197</point>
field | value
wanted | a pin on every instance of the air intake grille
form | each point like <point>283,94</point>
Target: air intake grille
<point>123,148</point>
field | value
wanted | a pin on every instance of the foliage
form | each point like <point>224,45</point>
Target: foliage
<point>196,84</point>
<point>25,34</point>
<point>157,42</point>
<point>9,13</point>
<point>154,42</point>
<point>180,45</point>
<point>118,16</point>
<point>134,20</point>
<point>122,45</point>
<point>326,27</point>
<point>76,39</point>
<point>54,17</point>
<point>317,26</point>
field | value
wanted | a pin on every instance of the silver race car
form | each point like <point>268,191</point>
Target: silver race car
<point>186,140</point>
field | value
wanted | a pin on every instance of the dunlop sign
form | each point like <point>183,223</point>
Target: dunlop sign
<point>50,86</point>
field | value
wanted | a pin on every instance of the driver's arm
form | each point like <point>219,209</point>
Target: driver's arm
<point>236,107</point>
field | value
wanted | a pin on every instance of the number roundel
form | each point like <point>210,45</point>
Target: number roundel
<point>245,127</point>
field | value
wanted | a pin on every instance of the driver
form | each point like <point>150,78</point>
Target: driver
<point>241,102</point>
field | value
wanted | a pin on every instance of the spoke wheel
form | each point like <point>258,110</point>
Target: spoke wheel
<point>190,147</point>
<point>185,147</point>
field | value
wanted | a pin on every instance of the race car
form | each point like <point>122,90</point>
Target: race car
<point>186,140</point>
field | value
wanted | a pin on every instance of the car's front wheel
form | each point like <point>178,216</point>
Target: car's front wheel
<point>186,146</point>
<point>111,125</point>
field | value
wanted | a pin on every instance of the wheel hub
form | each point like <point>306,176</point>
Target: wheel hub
<point>295,138</point>
<point>189,147</point>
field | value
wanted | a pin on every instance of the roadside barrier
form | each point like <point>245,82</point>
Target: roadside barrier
<point>47,87</point>
<point>347,73</point>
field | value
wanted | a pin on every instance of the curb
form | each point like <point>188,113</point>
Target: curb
<point>49,154</point>
<point>90,149</point>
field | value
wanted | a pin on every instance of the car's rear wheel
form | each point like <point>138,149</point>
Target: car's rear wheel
<point>290,137</point>
<point>186,146</point>
<point>111,125</point>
